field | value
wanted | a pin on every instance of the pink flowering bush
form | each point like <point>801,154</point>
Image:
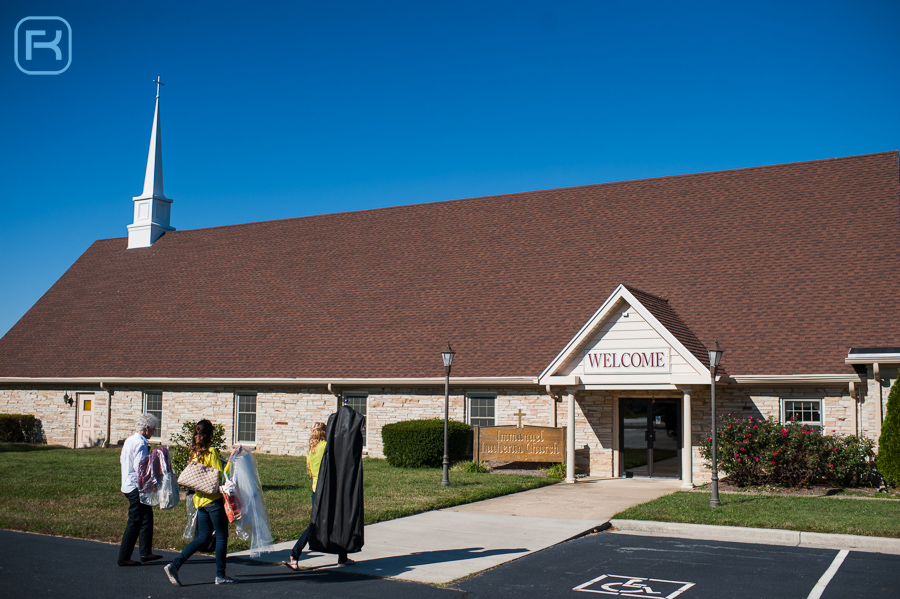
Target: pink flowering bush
<point>759,452</point>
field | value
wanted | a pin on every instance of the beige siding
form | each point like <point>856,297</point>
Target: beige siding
<point>620,332</point>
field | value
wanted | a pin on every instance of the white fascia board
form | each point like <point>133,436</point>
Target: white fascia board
<point>585,331</point>
<point>627,387</point>
<point>692,379</point>
<point>561,381</point>
<point>621,293</point>
<point>272,382</point>
<point>794,379</point>
<point>872,359</point>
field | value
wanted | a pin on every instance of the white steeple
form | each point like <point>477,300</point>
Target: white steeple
<point>152,207</point>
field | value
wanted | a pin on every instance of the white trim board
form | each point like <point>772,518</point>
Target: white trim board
<point>573,348</point>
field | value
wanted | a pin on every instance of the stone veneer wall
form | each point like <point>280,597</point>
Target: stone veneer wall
<point>386,406</point>
<point>593,432</point>
<point>57,419</point>
<point>285,416</point>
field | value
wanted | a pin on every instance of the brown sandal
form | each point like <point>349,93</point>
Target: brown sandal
<point>292,564</point>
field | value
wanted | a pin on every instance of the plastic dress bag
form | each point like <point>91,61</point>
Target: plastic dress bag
<point>254,522</point>
<point>168,492</point>
<point>151,477</point>
<point>190,530</point>
<point>168,487</point>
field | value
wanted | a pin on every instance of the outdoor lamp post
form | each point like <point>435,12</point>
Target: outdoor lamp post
<point>715,354</point>
<point>447,356</point>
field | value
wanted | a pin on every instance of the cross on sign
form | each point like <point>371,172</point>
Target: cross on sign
<point>520,413</point>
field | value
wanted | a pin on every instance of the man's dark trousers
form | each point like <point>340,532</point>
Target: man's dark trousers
<point>140,526</point>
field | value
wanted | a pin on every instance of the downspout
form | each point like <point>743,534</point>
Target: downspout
<point>555,397</point>
<point>75,422</point>
<point>109,394</point>
<point>876,374</point>
<point>337,394</point>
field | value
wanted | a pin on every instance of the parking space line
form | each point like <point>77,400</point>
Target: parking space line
<point>817,591</point>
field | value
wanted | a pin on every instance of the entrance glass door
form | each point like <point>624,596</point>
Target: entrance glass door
<point>649,435</point>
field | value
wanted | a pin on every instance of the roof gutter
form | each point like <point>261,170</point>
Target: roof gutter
<point>109,394</point>
<point>330,383</point>
<point>876,356</point>
<point>793,379</point>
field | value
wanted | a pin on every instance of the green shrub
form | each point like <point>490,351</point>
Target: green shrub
<point>557,470</point>
<point>181,444</point>
<point>470,466</point>
<point>759,452</point>
<point>416,443</point>
<point>889,442</point>
<point>18,428</point>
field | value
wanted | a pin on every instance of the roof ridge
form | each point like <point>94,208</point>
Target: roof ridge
<point>549,189</point>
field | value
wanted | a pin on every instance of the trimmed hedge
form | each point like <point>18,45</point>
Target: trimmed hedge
<point>889,441</point>
<point>18,428</point>
<point>417,443</point>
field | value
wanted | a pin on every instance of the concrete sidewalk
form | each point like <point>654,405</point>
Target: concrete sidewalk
<point>444,545</point>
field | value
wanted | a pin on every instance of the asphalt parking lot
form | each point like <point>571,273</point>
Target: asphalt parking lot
<point>609,564</point>
<point>600,565</point>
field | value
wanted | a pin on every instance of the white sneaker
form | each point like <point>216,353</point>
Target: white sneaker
<point>172,573</point>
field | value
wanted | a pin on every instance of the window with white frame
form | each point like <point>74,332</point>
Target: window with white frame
<point>482,409</point>
<point>153,405</point>
<point>358,401</point>
<point>802,411</point>
<point>246,418</point>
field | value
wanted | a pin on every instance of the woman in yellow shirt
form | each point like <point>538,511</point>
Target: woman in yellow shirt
<point>313,462</point>
<point>210,509</point>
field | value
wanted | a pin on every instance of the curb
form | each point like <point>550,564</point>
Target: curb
<point>763,536</point>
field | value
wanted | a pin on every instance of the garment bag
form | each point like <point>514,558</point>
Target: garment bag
<point>336,522</point>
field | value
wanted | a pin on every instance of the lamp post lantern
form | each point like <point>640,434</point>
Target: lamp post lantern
<point>715,354</point>
<point>447,356</point>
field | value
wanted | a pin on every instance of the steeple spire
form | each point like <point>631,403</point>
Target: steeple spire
<point>152,208</point>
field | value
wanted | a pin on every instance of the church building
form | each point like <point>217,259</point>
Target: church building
<point>590,308</point>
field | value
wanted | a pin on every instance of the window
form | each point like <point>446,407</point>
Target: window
<point>802,411</point>
<point>153,405</point>
<point>246,418</point>
<point>358,402</point>
<point>482,409</point>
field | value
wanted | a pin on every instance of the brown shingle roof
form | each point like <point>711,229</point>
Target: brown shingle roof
<point>667,317</point>
<point>788,266</point>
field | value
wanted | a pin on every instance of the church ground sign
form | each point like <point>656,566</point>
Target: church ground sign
<point>519,444</point>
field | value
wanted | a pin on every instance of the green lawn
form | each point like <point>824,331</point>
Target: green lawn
<point>849,516</point>
<point>75,493</point>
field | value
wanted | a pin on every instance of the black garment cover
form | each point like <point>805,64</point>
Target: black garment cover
<point>336,522</point>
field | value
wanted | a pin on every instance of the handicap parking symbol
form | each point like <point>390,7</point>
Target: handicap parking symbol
<point>634,586</point>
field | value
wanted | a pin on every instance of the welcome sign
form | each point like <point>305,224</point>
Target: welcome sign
<point>628,361</point>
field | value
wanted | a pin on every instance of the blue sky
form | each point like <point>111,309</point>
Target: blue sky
<point>286,109</point>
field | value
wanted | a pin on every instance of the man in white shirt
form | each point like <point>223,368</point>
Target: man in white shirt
<point>140,516</point>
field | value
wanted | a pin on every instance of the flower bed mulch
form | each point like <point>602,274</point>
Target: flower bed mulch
<point>809,491</point>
